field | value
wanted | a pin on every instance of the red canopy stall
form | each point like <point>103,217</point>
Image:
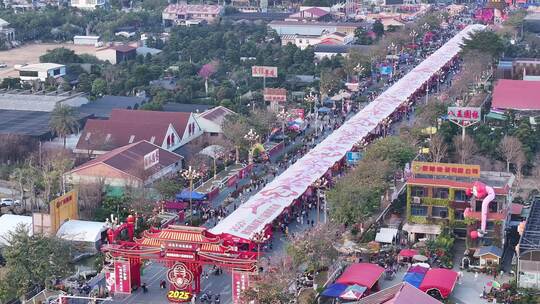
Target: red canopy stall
<point>363,274</point>
<point>443,280</point>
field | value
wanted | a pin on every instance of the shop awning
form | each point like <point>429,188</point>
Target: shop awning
<point>443,280</point>
<point>386,235</point>
<point>363,274</point>
<point>496,116</point>
<point>422,228</point>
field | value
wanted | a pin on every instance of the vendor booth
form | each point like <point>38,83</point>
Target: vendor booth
<point>439,282</point>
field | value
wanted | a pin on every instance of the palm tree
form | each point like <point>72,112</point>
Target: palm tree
<point>64,121</point>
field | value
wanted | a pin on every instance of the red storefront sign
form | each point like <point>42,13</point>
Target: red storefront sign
<point>275,94</point>
<point>240,283</point>
<point>446,169</point>
<point>464,113</point>
<point>122,276</point>
<point>264,71</point>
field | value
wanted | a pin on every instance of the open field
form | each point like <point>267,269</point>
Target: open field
<point>30,54</point>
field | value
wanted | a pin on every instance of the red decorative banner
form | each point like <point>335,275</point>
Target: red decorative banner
<point>122,276</point>
<point>240,283</point>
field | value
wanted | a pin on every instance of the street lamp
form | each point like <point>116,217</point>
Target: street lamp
<point>251,137</point>
<point>311,99</point>
<point>413,35</point>
<point>259,238</point>
<point>393,49</point>
<point>321,183</point>
<point>283,116</point>
<point>218,153</point>
<point>190,175</point>
<point>359,69</point>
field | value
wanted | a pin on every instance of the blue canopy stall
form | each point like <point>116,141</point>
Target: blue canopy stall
<point>414,278</point>
<point>186,195</point>
<point>334,290</point>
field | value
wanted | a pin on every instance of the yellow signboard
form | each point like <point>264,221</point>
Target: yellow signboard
<point>446,169</point>
<point>64,208</point>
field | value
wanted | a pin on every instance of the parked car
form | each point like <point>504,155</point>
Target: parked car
<point>3,65</point>
<point>8,202</point>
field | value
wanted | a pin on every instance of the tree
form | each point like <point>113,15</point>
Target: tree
<point>90,197</point>
<point>465,148</point>
<point>32,261</point>
<point>63,121</point>
<point>235,127</point>
<point>99,87</point>
<point>362,36</point>
<point>519,162</point>
<point>314,247</point>
<point>356,196</point>
<point>511,149</point>
<point>61,56</point>
<point>486,42</point>
<point>378,28</point>
<point>206,71</point>
<point>329,82</point>
<point>168,188</point>
<point>273,285</point>
<point>392,149</point>
<point>438,149</point>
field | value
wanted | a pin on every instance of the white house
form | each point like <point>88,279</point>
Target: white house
<point>88,4</point>
<point>40,71</point>
<point>6,32</point>
<point>86,40</point>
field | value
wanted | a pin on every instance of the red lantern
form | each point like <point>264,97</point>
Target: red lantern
<point>474,234</point>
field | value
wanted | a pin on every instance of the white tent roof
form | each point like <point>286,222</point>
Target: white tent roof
<point>213,151</point>
<point>8,222</point>
<point>266,205</point>
<point>386,235</point>
<point>81,231</point>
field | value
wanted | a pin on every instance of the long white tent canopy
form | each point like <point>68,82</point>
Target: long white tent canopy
<point>264,207</point>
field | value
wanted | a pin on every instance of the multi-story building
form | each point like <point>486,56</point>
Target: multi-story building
<point>437,198</point>
<point>88,4</point>
<point>180,13</point>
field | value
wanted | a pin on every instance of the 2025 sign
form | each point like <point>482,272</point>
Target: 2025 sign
<point>179,296</point>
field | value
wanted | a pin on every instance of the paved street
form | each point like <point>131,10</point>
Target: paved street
<point>154,273</point>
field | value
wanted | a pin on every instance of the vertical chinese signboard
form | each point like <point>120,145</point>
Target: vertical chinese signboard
<point>240,283</point>
<point>122,276</point>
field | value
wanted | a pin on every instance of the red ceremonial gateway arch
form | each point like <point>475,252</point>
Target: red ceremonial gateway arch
<point>231,244</point>
<point>182,249</point>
